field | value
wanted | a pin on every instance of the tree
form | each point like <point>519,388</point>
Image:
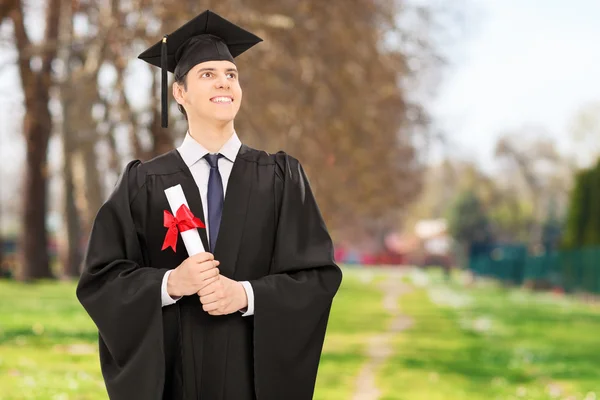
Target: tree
<point>585,131</point>
<point>83,55</point>
<point>35,68</point>
<point>468,222</point>
<point>70,251</point>
<point>337,95</point>
<point>536,174</point>
<point>333,94</point>
<point>552,230</point>
<point>583,219</point>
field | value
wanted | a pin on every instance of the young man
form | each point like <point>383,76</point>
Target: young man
<point>247,318</point>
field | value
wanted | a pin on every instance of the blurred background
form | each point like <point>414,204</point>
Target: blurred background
<point>453,147</point>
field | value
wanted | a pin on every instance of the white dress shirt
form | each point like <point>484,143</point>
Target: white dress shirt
<point>193,154</point>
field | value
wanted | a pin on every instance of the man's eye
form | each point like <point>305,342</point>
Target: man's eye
<point>206,74</point>
<point>231,75</point>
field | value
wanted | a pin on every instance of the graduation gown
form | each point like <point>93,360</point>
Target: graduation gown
<point>272,235</point>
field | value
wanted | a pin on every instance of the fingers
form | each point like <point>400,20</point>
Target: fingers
<point>208,282</point>
<point>202,257</point>
<point>219,307</point>
<point>211,287</point>
<point>206,265</point>
<point>212,307</point>
<point>200,280</point>
<point>210,298</point>
<point>208,274</point>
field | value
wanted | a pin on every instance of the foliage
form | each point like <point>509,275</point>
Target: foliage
<point>468,221</point>
<point>583,219</point>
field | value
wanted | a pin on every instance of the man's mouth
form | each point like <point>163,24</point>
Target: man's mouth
<point>222,99</point>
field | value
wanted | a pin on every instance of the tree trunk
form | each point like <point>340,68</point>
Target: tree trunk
<point>33,253</point>
<point>6,7</point>
<point>71,253</point>
<point>83,129</point>
<point>94,193</point>
<point>33,261</point>
<point>89,136</point>
<point>72,256</point>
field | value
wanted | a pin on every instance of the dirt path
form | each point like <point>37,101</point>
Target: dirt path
<point>379,347</point>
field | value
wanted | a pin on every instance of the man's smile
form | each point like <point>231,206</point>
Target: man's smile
<point>222,99</point>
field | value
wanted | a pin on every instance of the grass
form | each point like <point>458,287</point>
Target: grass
<point>48,344</point>
<point>490,342</point>
<point>355,316</point>
<point>482,342</point>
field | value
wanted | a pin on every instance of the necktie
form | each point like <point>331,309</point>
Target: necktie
<point>215,199</point>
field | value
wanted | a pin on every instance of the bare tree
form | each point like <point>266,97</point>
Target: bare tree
<point>542,174</point>
<point>70,254</point>
<point>35,67</point>
<point>585,131</point>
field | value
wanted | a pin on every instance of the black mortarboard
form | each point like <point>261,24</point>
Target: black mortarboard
<point>207,37</point>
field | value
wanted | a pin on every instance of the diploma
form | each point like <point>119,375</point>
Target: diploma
<point>191,238</point>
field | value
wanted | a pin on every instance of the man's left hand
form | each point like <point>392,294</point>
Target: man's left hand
<point>223,296</point>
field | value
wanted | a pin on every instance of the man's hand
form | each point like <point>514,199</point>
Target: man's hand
<point>192,275</point>
<point>222,297</point>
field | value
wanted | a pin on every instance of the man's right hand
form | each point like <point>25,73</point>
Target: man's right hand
<point>193,275</point>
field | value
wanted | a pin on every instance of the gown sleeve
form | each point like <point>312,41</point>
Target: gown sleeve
<point>293,303</point>
<point>123,298</point>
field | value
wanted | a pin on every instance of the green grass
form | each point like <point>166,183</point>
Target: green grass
<point>489,342</point>
<point>48,344</point>
<point>355,316</point>
<point>482,342</point>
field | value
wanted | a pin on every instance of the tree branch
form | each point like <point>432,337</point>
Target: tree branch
<point>6,6</point>
<point>23,42</point>
<point>52,22</point>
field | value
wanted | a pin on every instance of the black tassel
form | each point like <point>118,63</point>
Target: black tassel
<point>164,97</point>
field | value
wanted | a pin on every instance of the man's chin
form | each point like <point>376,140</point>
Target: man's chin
<point>219,118</point>
<point>224,118</point>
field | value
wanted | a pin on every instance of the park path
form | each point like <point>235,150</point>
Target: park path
<point>379,347</point>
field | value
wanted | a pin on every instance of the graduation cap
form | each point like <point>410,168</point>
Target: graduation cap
<point>207,37</point>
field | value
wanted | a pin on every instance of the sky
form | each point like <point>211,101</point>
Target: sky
<point>522,62</point>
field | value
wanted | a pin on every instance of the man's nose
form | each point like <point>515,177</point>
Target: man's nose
<point>222,82</point>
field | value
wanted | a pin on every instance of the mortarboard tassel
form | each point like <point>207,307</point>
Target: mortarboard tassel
<point>164,80</point>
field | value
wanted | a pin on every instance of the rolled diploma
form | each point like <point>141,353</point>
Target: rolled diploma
<point>191,238</point>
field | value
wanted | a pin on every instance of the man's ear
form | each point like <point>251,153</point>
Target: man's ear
<point>178,92</point>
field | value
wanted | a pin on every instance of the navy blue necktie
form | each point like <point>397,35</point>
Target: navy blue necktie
<point>215,199</point>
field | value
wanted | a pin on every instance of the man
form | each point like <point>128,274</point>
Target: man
<point>247,318</point>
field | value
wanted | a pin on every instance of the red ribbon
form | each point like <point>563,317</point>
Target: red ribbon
<point>183,221</point>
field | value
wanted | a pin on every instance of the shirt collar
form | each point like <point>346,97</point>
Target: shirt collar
<point>191,151</point>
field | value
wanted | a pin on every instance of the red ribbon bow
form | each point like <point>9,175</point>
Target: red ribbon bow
<point>183,221</point>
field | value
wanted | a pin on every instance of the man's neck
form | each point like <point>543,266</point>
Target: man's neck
<point>211,135</point>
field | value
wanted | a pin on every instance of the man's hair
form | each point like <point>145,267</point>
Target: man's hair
<point>183,82</point>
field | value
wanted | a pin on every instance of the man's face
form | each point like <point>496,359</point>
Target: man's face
<point>213,91</point>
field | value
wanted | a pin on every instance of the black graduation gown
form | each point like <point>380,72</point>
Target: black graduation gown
<point>272,234</point>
